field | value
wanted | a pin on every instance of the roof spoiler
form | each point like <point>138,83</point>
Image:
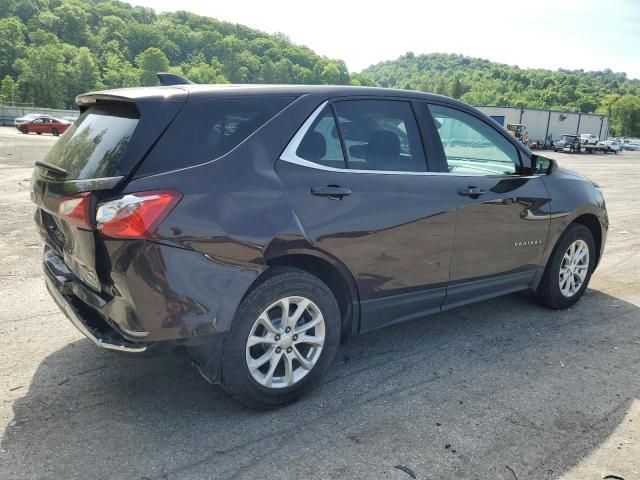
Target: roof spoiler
<point>168,79</point>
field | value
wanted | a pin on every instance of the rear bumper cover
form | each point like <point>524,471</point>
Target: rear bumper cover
<point>159,295</point>
<point>67,294</point>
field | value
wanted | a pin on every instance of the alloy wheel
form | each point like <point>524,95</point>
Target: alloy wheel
<point>574,268</point>
<point>285,342</point>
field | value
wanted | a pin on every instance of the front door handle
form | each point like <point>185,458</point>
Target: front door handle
<point>334,192</point>
<point>471,191</point>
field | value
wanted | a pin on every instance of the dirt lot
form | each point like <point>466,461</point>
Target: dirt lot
<point>504,389</point>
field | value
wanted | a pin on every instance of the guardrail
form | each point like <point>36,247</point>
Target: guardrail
<point>10,112</point>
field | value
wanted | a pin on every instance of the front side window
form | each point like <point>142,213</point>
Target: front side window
<point>321,143</point>
<point>471,146</point>
<point>380,135</point>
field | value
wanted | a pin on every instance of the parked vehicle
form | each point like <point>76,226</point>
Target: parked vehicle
<point>589,139</point>
<point>44,124</point>
<point>568,142</point>
<point>577,144</point>
<point>626,145</point>
<point>258,226</point>
<point>610,145</point>
<point>27,118</point>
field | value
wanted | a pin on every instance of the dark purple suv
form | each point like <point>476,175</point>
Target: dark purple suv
<point>258,226</point>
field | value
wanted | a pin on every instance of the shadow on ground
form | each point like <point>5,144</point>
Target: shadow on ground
<point>458,395</point>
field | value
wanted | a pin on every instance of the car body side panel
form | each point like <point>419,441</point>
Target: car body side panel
<point>503,230</point>
<point>573,196</point>
<point>214,240</point>
<point>171,292</point>
<point>391,232</point>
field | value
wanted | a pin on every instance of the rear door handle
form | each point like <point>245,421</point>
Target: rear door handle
<point>473,192</point>
<point>334,192</point>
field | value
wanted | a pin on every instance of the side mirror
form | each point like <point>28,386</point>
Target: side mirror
<point>542,165</point>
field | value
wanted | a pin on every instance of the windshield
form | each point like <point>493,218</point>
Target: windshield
<point>94,144</point>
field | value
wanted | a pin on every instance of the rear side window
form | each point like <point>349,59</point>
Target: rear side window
<point>206,130</point>
<point>93,145</point>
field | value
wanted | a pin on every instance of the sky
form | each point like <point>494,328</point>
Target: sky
<point>552,34</point>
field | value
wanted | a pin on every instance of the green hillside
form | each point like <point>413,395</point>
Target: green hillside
<point>481,82</point>
<point>52,50</point>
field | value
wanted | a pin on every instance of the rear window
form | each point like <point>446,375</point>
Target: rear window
<point>93,145</point>
<point>206,130</point>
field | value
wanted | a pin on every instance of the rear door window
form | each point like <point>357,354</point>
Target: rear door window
<point>93,145</point>
<point>380,135</point>
<point>206,130</point>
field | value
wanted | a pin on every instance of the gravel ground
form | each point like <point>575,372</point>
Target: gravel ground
<point>503,389</point>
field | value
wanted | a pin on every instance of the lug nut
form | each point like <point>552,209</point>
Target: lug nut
<point>287,330</point>
<point>295,337</point>
<point>277,337</point>
<point>289,350</point>
<point>278,350</point>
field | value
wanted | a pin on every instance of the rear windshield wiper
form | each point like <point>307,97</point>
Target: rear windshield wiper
<point>51,168</point>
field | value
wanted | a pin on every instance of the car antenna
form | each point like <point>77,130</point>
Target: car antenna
<point>167,79</point>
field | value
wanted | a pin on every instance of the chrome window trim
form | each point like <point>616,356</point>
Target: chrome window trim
<point>289,155</point>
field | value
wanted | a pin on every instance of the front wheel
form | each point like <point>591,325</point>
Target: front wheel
<point>569,269</point>
<point>285,334</point>
<point>55,132</point>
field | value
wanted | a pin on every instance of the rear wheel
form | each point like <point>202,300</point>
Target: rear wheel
<point>285,334</point>
<point>39,133</point>
<point>569,269</point>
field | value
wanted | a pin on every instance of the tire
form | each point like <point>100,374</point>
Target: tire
<point>24,130</point>
<point>252,387</point>
<point>55,132</point>
<point>550,291</point>
<point>39,133</point>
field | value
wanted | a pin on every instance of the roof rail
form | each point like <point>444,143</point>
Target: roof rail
<point>167,79</point>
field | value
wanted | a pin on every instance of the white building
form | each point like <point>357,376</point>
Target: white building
<point>543,124</point>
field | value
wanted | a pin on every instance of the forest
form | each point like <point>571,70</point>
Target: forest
<point>481,82</point>
<point>52,50</point>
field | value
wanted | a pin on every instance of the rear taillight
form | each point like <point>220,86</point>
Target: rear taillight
<point>135,215</point>
<point>75,209</point>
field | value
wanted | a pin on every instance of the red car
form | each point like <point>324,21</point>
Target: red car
<point>45,124</point>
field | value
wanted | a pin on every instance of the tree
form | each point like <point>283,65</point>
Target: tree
<point>457,89</point>
<point>12,44</point>
<point>150,62</point>
<point>9,90</point>
<point>118,73</point>
<point>284,71</point>
<point>42,75</point>
<point>73,24</point>
<point>625,116</point>
<point>330,74</point>
<point>84,74</point>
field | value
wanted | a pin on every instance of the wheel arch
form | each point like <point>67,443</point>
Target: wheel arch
<point>590,221</point>
<point>334,274</point>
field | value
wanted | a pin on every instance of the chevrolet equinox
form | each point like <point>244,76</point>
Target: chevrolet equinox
<point>259,226</point>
